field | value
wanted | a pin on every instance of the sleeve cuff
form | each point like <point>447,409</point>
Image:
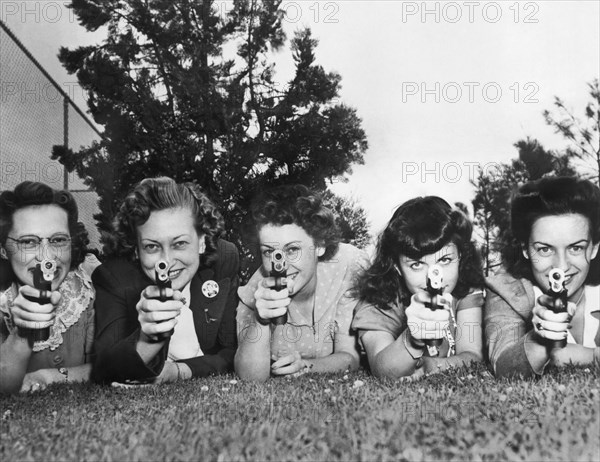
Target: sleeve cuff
<point>413,350</point>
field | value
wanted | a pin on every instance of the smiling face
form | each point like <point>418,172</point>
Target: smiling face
<point>302,255</point>
<point>170,235</point>
<point>564,242</point>
<point>30,223</point>
<point>414,271</point>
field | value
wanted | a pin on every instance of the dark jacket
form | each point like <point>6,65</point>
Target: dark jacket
<point>119,283</point>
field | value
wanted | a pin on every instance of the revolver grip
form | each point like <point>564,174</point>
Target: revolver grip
<point>279,272</point>
<point>45,287</point>
<point>161,276</point>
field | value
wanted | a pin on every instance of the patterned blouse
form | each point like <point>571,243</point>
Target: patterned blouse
<point>333,305</point>
<point>71,335</point>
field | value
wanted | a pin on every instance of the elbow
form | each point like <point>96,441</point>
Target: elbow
<point>381,370</point>
<point>249,375</point>
<point>9,388</point>
<point>472,356</point>
<point>251,371</point>
<point>378,372</point>
<point>9,385</point>
<point>354,364</point>
<point>352,361</point>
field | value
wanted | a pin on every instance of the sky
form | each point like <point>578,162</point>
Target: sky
<point>442,88</point>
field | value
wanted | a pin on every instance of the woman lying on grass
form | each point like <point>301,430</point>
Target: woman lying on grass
<point>304,326</point>
<point>46,334</point>
<point>405,330</point>
<point>152,334</point>
<point>555,224</point>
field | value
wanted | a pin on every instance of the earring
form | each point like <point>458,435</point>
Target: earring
<point>398,271</point>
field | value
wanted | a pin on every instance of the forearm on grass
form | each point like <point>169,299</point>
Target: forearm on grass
<point>574,354</point>
<point>336,362</point>
<point>527,357</point>
<point>394,361</point>
<point>253,357</point>
<point>147,349</point>
<point>15,353</point>
<point>465,358</point>
<point>74,374</point>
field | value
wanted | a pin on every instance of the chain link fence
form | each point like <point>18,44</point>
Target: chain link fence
<point>36,114</point>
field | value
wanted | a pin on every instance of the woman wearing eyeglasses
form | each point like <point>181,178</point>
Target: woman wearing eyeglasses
<point>304,326</point>
<point>45,335</point>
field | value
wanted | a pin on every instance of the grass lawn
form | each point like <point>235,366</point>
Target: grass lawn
<point>465,415</point>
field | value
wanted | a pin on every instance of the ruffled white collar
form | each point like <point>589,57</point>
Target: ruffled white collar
<point>77,292</point>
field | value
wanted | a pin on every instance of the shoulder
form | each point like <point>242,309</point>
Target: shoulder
<point>368,317</point>
<point>6,274</point>
<point>246,293</point>
<point>518,293</point>
<point>89,264</point>
<point>347,252</point>
<point>116,270</point>
<point>475,298</point>
<point>228,259</point>
<point>348,256</point>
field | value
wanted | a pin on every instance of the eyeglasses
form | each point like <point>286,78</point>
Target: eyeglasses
<point>28,243</point>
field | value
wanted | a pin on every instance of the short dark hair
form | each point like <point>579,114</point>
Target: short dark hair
<point>153,194</point>
<point>418,227</point>
<point>550,196</point>
<point>30,193</point>
<point>298,205</point>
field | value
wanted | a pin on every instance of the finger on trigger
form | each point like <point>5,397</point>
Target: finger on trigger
<point>161,316</point>
<point>554,326</point>
<point>34,316</point>
<point>563,317</point>
<point>422,297</point>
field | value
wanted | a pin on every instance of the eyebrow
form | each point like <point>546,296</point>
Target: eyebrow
<point>285,245</point>
<point>175,238</point>
<point>580,241</point>
<point>409,259</point>
<point>586,241</point>
<point>445,254</point>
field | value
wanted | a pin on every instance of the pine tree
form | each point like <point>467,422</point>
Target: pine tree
<point>185,90</point>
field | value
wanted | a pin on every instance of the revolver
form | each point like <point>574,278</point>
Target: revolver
<point>43,274</point>
<point>559,293</point>
<point>435,288</point>
<point>161,274</point>
<point>279,272</point>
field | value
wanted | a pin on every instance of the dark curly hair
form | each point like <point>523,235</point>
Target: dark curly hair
<point>31,193</point>
<point>298,205</point>
<point>546,197</point>
<point>418,227</point>
<point>153,194</point>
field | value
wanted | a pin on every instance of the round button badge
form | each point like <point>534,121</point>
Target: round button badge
<point>210,289</point>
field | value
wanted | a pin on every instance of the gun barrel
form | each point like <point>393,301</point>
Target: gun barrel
<point>279,272</point>
<point>559,292</point>
<point>435,287</point>
<point>557,280</point>
<point>48,268</point>
<point>43,275</point>
<point>163,282</point>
